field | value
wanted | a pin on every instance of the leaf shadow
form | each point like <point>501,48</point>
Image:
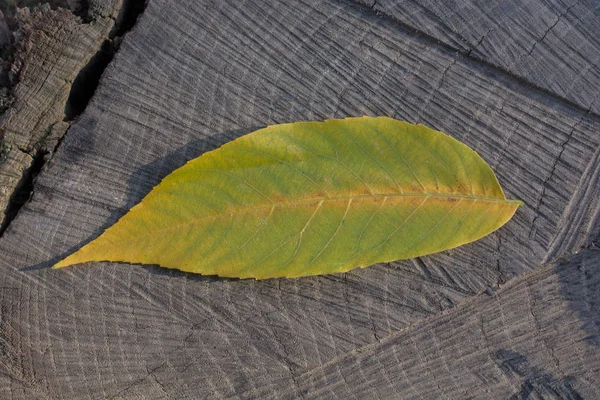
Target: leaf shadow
<point>142,181</point>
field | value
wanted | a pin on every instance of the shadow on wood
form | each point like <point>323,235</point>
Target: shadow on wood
<point>141,182</point>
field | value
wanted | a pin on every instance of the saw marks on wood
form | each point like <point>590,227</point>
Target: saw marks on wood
<point>192,75</point>
<point>538,336</point>
<point>53,46</point>
<point>553,44</point>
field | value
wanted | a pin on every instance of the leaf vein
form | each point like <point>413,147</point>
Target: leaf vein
<point>337,159</point>
<point>240,179</point>
<point>376,161</point>
<point>256,232</point>
<point>368,223</point>
<point>439,159</point>
<point>424,236</point>
<point>290,165</point>
<point>311,200</point>
<point>302,233</point>
<point>403,160</point>
<point>332,236</point>
<point>401,225</point>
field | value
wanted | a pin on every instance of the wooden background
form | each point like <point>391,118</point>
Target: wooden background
<point>514,314</point>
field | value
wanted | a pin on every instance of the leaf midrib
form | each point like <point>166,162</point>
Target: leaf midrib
<point>318,199</point>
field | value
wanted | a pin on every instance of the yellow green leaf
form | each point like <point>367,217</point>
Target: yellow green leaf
<point>311,198</point>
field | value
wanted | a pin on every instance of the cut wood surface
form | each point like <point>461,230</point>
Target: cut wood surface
<point>192,75</point>
<point>552,44</point>
<point>53,47</point>
<point>537,337</point>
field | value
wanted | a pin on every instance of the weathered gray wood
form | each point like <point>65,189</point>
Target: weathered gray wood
<point>13,164</point>
<point>53,47</point>
<point>553,44</point>
<point>193,75</point>
<point>536,337</point>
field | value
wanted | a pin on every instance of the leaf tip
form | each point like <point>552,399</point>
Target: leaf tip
<point>61,264</point>
<point>69,260</point>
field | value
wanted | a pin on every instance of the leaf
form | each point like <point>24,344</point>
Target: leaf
<point>311,198</point>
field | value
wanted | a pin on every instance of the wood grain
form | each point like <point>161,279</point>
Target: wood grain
<point>554,44</point>
<point>192,75</point>
<point>53,47</point>
<point>536,337</point>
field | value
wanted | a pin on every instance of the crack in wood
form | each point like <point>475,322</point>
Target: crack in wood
<point>149,373</point>
<point>569,136</point>
<point>24,189</point>
<point>538,328</point>
<point>432,41</point>
<point>476,45</point>
<point>558,18</point>
<point>81,91</point>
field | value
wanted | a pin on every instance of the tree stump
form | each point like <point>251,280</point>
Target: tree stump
<point>512,315</point>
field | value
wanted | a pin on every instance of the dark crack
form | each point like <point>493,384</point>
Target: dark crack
<point>437,88</point>
<point>563,145</point>
<point>476,45</point>
<point>149,374</point>
<point>81,9</point>
<point>376,13</point>
<point>368,3</point>
<point>7,53</point>
<point>286,355</point>
<point>130,13</point>
<point>82,90</point>
<point>24,189</point>
<point>558,18</point>
<point>500,279</point>
<point>539,330</point>
<point>85,84</point>
<point>152,374</point>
